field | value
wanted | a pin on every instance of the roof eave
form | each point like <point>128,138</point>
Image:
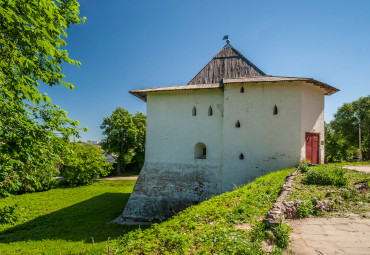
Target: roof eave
<point>329,90</point>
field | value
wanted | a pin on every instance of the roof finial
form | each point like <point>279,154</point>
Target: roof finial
<point>226,37</point>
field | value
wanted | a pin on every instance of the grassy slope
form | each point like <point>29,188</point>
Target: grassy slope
<point>64,221</point>
<point>210,226</point>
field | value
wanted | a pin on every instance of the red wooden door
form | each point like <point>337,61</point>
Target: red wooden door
<point>312,147</point>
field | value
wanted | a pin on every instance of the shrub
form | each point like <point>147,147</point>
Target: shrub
<point>321,175</point>
<point>304,166</point>
<point>282,232</point>
<point>305,209</point>
<point>83,163</point>
<point>8,215</point>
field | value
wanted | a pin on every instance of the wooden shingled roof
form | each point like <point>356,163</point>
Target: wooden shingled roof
<point>228,63</point>
<point>227,67</point>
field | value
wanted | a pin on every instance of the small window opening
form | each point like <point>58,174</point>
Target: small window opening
<point>241,156</point>
<point>275,110</point>
<point>210,111</point>
<point>200,151</point>
<point>237,124</point>
<point>242,90</point>
<point>194,112</point>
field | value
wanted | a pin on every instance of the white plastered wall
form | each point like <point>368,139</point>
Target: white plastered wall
<point>172,131</point>
<point>313,101</point>
<point>268,142</point>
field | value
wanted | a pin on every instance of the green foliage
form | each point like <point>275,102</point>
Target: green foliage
<point>342,133</point>
<point>125,133</point>
<point>84,163</point>
<point>210,226</point>
<point>304,165</point>
<point>9,215</point>
<point>282,232</point>
<point>305,209</point>
<point>321,175</point>
<point>65,220</point>
<point>33,131</point>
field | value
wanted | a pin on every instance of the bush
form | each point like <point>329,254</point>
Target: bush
<point>282,232</point>
<point>8,215</point>
<point>321,175</point>
<point>83,163</point>
<point>305,209</point>
<point>304,166</point>
<point>17,178</point>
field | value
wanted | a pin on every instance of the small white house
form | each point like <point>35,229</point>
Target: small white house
<point>229,125</point>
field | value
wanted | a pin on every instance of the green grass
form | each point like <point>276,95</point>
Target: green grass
<point>210,226</point>
<point>66,220</point>
<point>347,199</point>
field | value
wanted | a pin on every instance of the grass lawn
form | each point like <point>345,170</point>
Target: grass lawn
<point>66,220</point>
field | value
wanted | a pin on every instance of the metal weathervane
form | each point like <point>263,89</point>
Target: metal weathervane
<point>226,37</point>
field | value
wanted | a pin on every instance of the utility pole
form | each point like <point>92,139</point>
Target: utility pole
<point>359,140</point>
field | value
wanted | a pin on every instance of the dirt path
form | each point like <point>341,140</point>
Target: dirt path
<point>360,168</point>
<point>330,236</point>
<point>131,178</point>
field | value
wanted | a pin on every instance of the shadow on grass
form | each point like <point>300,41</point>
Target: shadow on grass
<point>83,221</point>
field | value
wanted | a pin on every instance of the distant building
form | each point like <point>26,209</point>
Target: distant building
<point>92,142</point>
<point>110,159</point>
<point>229,125</point>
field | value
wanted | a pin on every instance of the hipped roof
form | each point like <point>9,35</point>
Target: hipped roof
<point>230,66</point>
<point>228,63</point>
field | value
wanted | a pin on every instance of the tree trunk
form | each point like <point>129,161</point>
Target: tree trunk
<point>118,170</point>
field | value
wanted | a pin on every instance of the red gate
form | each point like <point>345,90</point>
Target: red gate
<point>312,147</point>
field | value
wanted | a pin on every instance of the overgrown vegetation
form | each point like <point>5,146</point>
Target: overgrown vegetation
<point>64,220</point>
<point>210,226</point>
<point>323,182</point>
<point>322,175</point>
<point>83,163</point>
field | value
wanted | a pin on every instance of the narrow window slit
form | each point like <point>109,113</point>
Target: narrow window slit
<point>242,89</point>
<point>275,110</point>
<point>241,156</point>
<point>194,112</point>
<point>237,124</point>
<point>210,111</point>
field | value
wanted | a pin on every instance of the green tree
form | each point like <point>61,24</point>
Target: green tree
<point>342,137</point>
<point>124,134</point>
<point>83,163</point>
<point>33,131</point>
<point>139,120</point>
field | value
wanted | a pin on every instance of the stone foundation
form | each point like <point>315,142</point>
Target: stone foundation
<point>164,189</point>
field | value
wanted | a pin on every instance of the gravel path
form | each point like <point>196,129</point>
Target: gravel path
<point>360,168</point>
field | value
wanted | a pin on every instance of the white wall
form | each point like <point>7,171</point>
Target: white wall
<point>269,142</point>
<point>172,131</point>
<point>313,100</point>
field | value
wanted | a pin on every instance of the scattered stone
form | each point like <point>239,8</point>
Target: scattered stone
<point>323,205</point>
<point>362,186</point>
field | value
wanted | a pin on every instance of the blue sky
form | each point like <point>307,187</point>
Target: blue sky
<point>127,45</point>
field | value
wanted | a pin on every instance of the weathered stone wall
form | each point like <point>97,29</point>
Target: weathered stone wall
<point>164,189</point>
